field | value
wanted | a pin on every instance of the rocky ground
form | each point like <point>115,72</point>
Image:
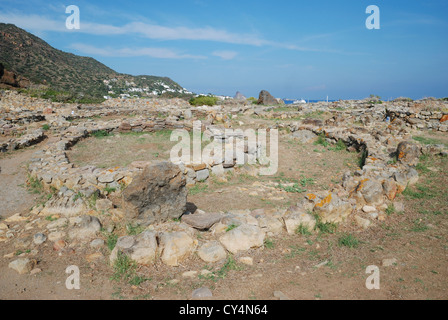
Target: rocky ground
<point>359,184</point>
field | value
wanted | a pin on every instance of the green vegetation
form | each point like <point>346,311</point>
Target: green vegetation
<point>303,230</point>
<point>124,268</point>
<point>134,230</point>
<point>65,77</point>
<point>425,140</point>
<point>268,243</point>
<point>34,185</point>
<point>101,134</point>
<point>231,227</point>
<point>203,101</point>
<point>46,127</point>
<point>198,188</point>
<point>390,209</point>
<point>322,141</point>
<point>253,100</point>
<point>348,240</point>
<point>339,146</point>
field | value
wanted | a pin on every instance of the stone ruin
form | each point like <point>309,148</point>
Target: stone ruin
<point>153,194</point>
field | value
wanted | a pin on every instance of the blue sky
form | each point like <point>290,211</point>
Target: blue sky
<point>294,49</point>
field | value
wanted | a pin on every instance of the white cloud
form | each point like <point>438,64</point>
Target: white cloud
<point>38,23</point>
<point>226,55</point>
<point>160,53</point>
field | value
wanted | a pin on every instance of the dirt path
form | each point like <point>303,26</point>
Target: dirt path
<point>14,196</point>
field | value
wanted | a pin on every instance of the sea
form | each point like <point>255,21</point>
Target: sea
<point>291,101</point>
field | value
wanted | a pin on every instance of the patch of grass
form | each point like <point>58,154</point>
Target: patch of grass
<point>101,134</point>
<point>138,280</point>
<point>268,243</point>
<point>231,227</point>
<point>314,115</point>
<point>134,230</point>
<point>324,228</point>
<point>419,226</point>
<point>348,240</point>
<point>110,189</point>
<point>421,192</point>
<point>124,268</point>
<point>362,158</point>
<point>111,239</point>
<point>46,127</point>
<point>425,140</point>
<point>34,185</point>
<point>305,181</point>
<point>390,209</point>
<point>292,189</point>
<point>322,141</point>
<point>295,251</point>
<point>198,188</point>
<point>303,230</point>
<point>339,146</point>
<point>50,218</point>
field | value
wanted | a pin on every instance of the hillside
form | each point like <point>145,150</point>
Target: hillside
<point>69,77</point>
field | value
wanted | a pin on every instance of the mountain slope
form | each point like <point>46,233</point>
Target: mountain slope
<point>32,58</point>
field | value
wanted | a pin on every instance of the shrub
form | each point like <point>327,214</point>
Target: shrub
<point>203,101</point>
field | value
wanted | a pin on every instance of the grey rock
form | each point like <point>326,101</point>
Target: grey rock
<point>265,98</point>
<point>202,175</point>
<point>201,221</point>
<point>304,136</point>
<point>243,238</point>
<point>212,251</point>
<point>22,265</point>
<point>157,195</point>
<point>201,293</point>
<point>39,238</point>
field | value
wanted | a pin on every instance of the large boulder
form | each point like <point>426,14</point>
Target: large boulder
<point>297,216</point>
<point>332,209</point>
<point>239,96</point>
<point>408,153</point>
<point>142,248</point>
<point>266,98</point>
<point>243,238</point>
<point>157,195</point>
<point>304,136</point>
<point>175,247</point>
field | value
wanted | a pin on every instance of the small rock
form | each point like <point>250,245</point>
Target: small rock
<point>368,209</point>
<point>35,271</point>
<point>59,245</point>
<point>212,252</point>
<point>389,262</point>
<point>189,274</point>
<point>94,257</point>
<point>97,243</point>
<point>280,295</point>
<point>104,205</point>
<point>22,265</point>
<point>399,206</point>
<point>363,223</point>
<point>16,218</point>
<point>56,235</point>
<point>247,260</point>
<point>39,238</point>
<point>203,292</point>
